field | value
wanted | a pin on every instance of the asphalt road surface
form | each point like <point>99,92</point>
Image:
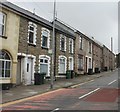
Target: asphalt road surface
<point>99,94</point>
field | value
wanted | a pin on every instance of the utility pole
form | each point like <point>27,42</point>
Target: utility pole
<point>111,44</point>
<point>53,47</point>
<point>111,53</point>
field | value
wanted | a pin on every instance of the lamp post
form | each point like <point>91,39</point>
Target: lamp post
<point>53,47</point>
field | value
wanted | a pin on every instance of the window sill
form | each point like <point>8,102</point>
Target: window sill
<point>62,50</point>
<point>43,47</point>
<point>5,78</point>
<point>71,53</point>
<point>89,52</point>
<point>80,69</point>
<point>3,36</point>
<point>31,44</point>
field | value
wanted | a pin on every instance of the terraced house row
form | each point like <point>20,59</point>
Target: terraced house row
<point>26,41</point>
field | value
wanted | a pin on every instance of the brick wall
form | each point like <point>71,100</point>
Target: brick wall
<point>64,53</point>
<point>26,48</point>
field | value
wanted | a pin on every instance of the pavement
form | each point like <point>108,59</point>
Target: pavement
<point>21,92</point>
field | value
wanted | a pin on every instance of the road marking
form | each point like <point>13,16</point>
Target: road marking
<point>55,110</point>
<point>81,84</point>
<point>112,82</point>
<point>29,98</point>
<point>89,93</point>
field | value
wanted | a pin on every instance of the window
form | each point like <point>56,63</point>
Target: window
<point>90,47</point>
<point>45,38</point>
<point>5,64</point>
<point>62,43</point>
<point>70,45</point>
<point>2,23</point>
<point>44,65</point>
<point>32,33</point>
<point>80,62</point>
<point>81,43</point>
<point>62,64</point>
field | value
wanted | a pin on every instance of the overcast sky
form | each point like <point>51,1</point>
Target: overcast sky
<point>94,18</point>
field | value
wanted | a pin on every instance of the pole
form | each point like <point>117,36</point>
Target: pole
<point>111,53</point>
<point>111,44</point>
<point>53,47</point>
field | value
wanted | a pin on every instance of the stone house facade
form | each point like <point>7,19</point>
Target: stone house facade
<point>108,59</point>
<point>64,49</point>
<point>33,49</point>
<point>79,54</point>
<point>97,56</point>
<point>111,60</point>
<point>9,34</point>
<point>31,40</point>
<point>105,58</point>
<point>118,60</point>
<point>87,48</point>
<point>83,53</point>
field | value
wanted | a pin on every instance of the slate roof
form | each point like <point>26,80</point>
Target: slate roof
<point>24,12</point>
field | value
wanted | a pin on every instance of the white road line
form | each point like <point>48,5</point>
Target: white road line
<point>55,110</point>
<point>81,84</point>
<point>112,82</point>
<point>89,93</point>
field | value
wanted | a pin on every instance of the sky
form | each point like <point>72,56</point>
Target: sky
<point>95,18</point>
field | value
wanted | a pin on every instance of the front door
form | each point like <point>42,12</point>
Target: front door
<point>70,63</point>
<point>29,71</point>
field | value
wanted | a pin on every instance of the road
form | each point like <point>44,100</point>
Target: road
<point>99,94</point>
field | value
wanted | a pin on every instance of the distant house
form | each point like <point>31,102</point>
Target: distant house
<point>83,52</point>
<point>79,54</point>
<point>118,60</point>
<point>97,55</point>
<point>108,59</point>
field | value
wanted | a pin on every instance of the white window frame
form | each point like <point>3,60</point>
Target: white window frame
<point>81,65</point>
<point>90,47</point>
<point>72,63</point>
<point>90,62</point>
<point>62,57</point>
<point>48,38</point>
<point>45,57</point>
<point>71,44</point>
<point>62,36</point>
<point>5,60</point>
<point>31,24</point>
<point>80,42</point>
<point>3,23</point>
